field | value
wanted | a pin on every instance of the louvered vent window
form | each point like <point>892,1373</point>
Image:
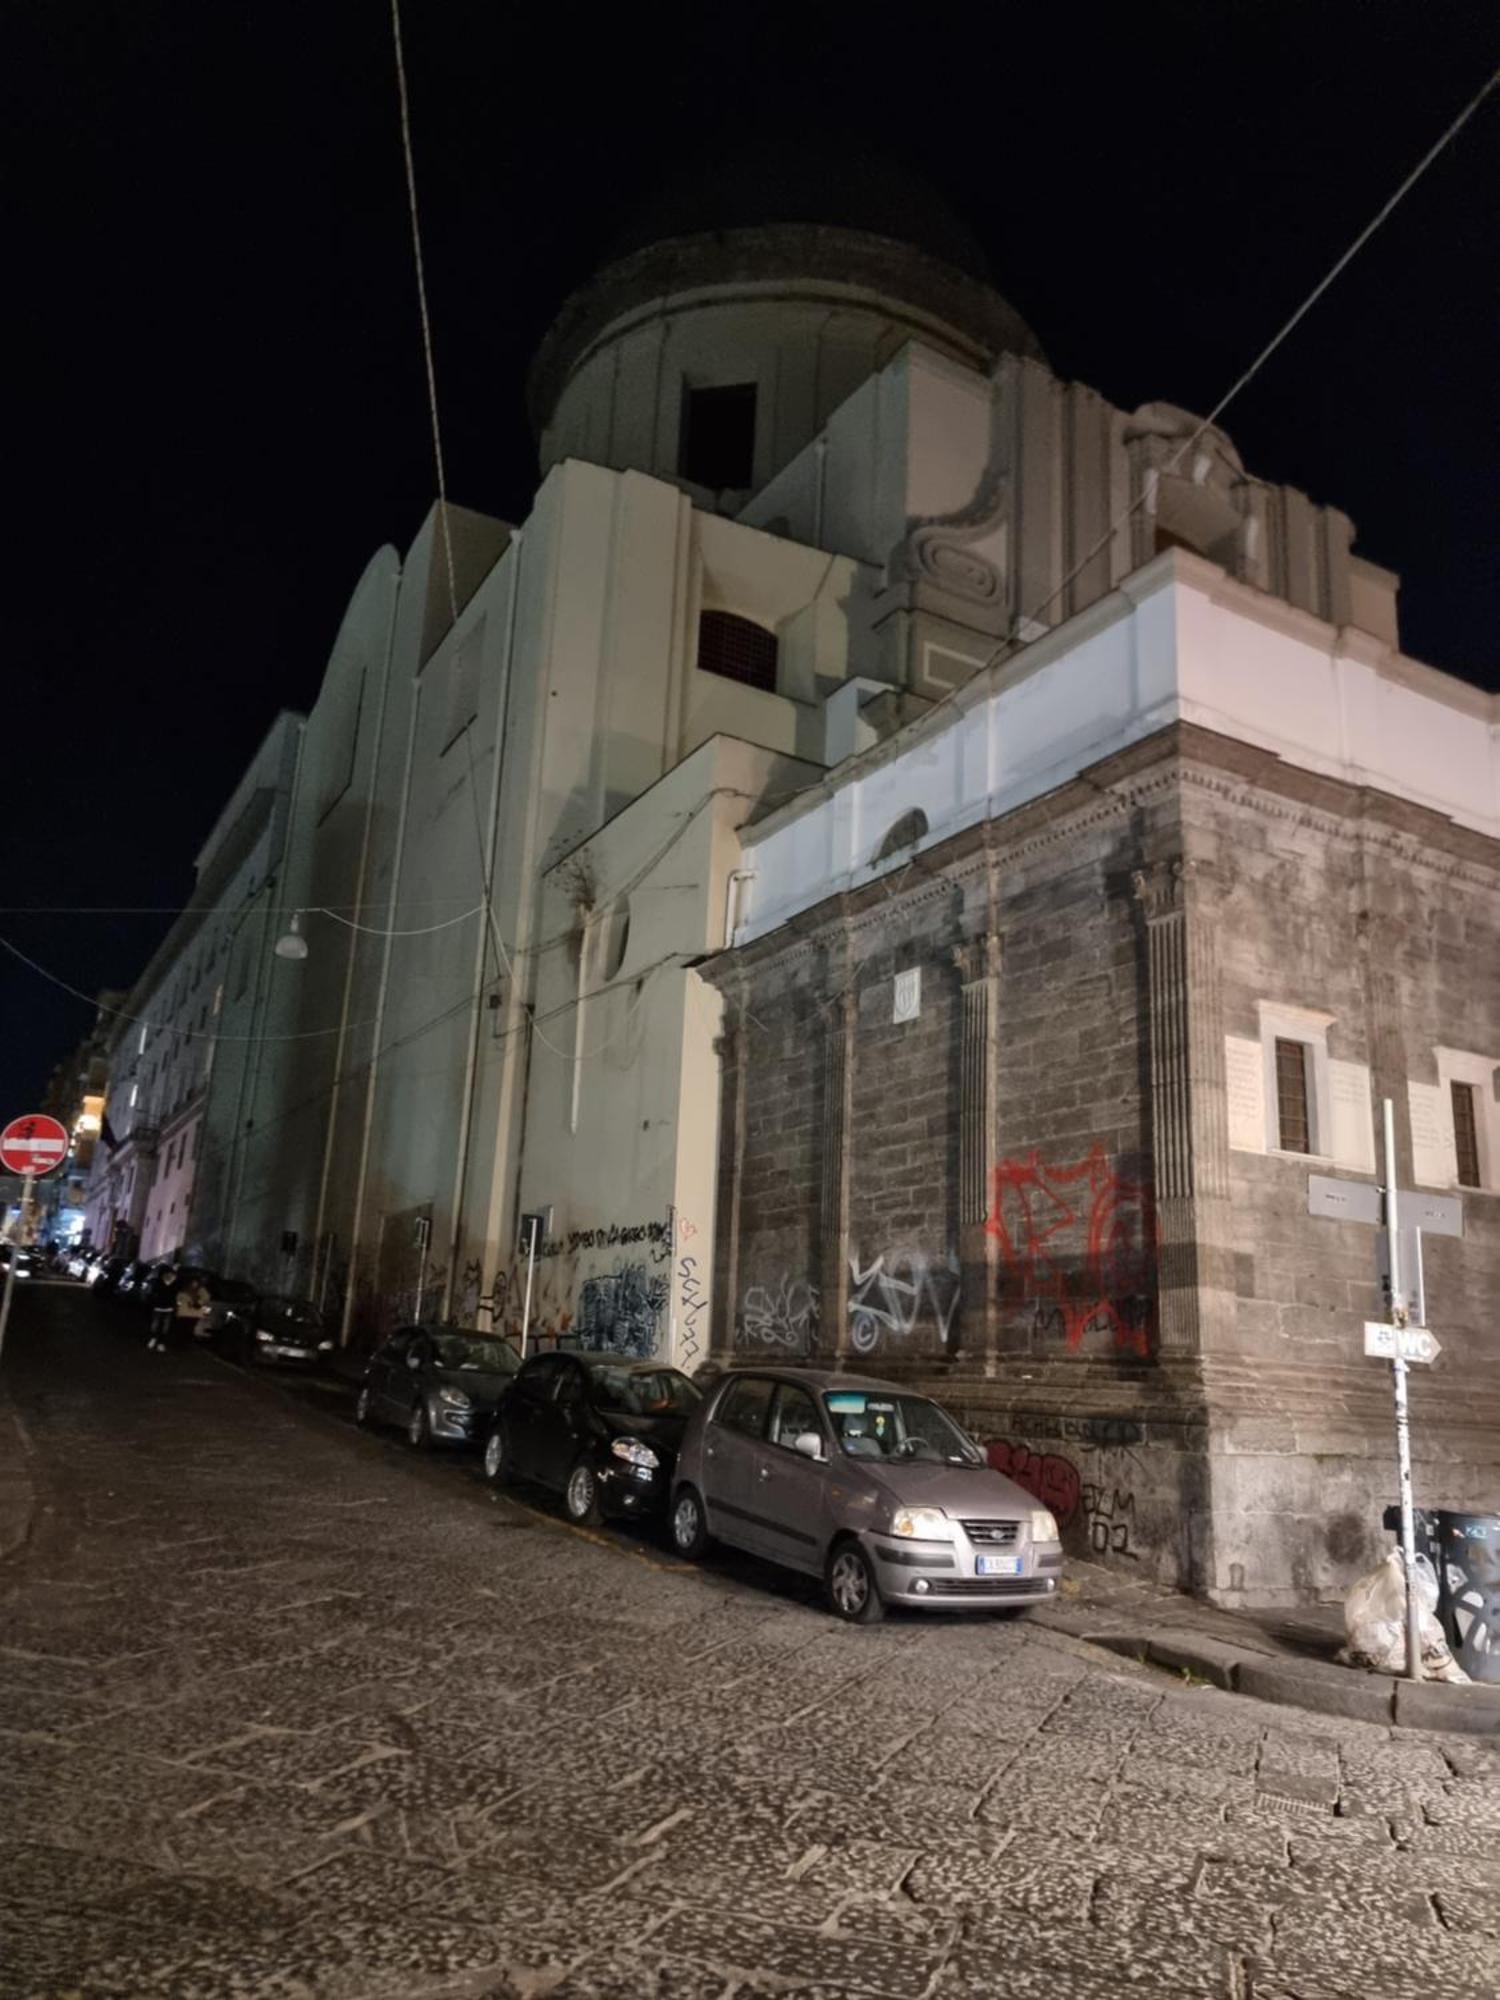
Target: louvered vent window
<point>1293,1122</point>
<point>1465,1134</point>
<point>737,649</point>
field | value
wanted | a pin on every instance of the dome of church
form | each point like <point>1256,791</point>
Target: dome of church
<point>838,187</point>
<point>778,288</point>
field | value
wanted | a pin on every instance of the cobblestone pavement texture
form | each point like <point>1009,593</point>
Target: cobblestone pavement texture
<point>290,1711</point>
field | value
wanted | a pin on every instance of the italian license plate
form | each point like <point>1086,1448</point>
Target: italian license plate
<point>998,1565</point>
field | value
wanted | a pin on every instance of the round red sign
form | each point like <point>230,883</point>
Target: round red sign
<point>33,1145</point>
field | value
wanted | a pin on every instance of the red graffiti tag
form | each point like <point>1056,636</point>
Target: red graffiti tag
<point>1078,1243</point>
<point>1052,1480</point>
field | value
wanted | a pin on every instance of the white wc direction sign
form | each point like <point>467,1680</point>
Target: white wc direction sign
<point>1400,1343</point>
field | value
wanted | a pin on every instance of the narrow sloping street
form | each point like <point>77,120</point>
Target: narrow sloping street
<point>287,1711</point>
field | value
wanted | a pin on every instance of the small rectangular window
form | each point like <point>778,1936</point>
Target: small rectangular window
<point>1466,1134</point>
<point>1292,1120</point>
<point>718,436</point>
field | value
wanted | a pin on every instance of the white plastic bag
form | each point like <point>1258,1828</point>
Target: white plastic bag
<point>1375,1622</point>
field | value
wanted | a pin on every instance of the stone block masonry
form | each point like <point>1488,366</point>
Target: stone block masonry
<point>976,1133</point>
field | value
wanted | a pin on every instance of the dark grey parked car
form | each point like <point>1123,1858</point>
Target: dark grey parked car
<point>440,1383</point>
<point>874,1489</point>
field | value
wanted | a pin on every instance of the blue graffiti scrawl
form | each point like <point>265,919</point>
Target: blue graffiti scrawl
<point>620,1312</point>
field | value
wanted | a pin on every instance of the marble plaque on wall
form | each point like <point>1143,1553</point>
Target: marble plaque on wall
<point>1245,1087</point>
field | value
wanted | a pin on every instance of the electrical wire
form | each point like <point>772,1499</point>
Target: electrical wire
<point>426,318</point>
<point>166,1027</point>
<point>375,930</point>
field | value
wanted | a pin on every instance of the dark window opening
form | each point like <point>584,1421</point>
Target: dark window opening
<point>906,832</point>
<point>1292,1118</point>
<point>718,436</point>
<point>1465,1134</point>
<point>737,649</point>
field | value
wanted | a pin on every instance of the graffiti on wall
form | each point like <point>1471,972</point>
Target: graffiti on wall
<point>1103,1511</point>
<point>783,1314</point>
<point>622,1311</point>
<point>694,1305</point>
<point>1046,1476</point>
<point>1110,1516</point>
<point>1077,1245</point>
<point>899,1292</point>
<point>654,1237</point>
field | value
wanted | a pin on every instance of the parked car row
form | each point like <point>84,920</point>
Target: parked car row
<point>875,1490</point>
<point>864,1484</point>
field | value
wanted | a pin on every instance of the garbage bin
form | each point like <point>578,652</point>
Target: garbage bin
<point>1469,1590</point>
<point>1464,1550</point>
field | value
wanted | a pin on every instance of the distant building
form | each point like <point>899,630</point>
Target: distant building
<point>75,1096</point>
<point>180,1045</point>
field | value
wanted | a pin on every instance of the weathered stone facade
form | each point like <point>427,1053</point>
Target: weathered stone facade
<point>1016,1186</point>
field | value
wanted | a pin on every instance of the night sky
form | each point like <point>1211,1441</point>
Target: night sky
<point>216,408</point>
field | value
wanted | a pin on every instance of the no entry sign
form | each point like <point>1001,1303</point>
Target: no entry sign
<point>33,1145</point>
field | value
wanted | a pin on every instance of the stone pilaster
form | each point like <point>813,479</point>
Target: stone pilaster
<point>839,1022</point>
<point>1189,1142</point>
<point>731,1051</point>
<point>978,963</point>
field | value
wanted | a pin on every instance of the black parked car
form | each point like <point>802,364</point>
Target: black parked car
<point>600,1430</point>
<point>273,1328</point>
<point>440,1383</point>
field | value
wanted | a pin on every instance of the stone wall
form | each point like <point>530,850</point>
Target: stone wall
<point>1011,1178</point>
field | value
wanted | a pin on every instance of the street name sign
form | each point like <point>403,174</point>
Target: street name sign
<point>1400,1343</point>
<point>1360,1201</point>
<point>33,1145</point>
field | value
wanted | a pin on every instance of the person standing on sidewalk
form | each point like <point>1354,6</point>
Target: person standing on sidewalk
<point>190,1306</point>
<point>162,1298</point>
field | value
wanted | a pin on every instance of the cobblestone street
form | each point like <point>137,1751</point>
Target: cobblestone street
<point>289,1711</point>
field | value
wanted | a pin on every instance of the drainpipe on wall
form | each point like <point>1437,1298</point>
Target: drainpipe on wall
<point>319,1256</point>
<point>377,1026</point>
<point>486,921</point>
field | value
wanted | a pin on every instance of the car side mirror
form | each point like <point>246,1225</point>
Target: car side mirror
<point>809,1444</point>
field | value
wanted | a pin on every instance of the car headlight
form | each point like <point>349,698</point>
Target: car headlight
<point>1044,1526</point>
<point>635,1453</point>
<point>263,1336</point>
<point>455,1399</point>
<point>325,1347</point>
<point>922,1524</point>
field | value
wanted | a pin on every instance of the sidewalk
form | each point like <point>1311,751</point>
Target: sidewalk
<point>1280,1656</point>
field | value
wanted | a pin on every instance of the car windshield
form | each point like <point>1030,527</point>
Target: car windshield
<point>294,1312</point>
<point>469,1350</point>
<point>644,1392</point>
<point>870,1423</point>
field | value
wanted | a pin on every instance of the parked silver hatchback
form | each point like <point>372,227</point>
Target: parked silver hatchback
<point>874,1489</point>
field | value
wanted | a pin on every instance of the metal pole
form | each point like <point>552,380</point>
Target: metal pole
<point>1403,1427</point>
<point>15,1251</point>
<point>531,1235</point>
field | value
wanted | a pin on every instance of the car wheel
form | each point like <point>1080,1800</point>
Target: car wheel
<point>690,1536</point>
<point>496,1458</point>
<point>363,1404</point>
<point>581,1496</point>
<point>418,1430</point>
<point>853,1593</point>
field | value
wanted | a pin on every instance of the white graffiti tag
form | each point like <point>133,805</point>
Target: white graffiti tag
<point>781,1315</point>
<point>895,1293</point>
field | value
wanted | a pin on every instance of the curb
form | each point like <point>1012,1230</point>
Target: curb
<point>1314,1684</point>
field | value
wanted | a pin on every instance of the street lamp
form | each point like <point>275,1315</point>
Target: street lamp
<point>292,944</point>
